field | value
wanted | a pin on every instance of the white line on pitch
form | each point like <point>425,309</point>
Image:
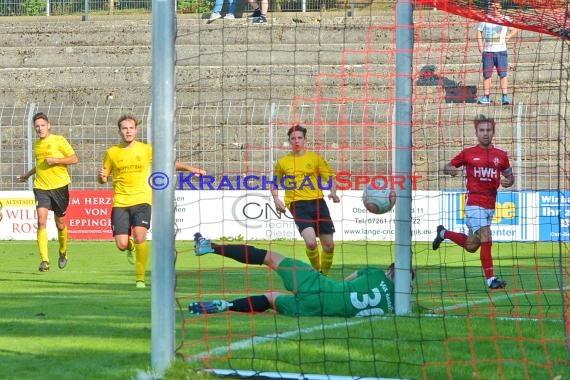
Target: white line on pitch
<point>246,343</point>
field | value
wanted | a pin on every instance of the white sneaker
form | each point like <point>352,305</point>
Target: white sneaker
<point>214,16</point>
<point>229,16</point>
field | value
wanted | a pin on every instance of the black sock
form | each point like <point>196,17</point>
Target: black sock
<point>246,254</point>
<point>252,304</point>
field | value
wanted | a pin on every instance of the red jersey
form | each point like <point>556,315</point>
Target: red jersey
<point>483,169</point>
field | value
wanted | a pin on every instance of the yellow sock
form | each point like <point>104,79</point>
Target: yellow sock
<point>314,258</point>
<point>142,258</point>
<point>131,244</point>
<point>62,238</point>
<point>43,244</point>
<point>326,262</point>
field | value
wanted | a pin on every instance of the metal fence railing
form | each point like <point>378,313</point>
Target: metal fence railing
<point>86,7</point>
<point>242,137</point>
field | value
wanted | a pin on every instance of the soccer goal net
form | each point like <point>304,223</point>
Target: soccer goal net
<point>335,75</point>
<point>332,69</point>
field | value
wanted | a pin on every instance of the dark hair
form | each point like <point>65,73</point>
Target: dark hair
<point>40,115</point>
<point>392,267</point>
<point>126,117</point>
<point>297,128</point>
<point>483,119</point>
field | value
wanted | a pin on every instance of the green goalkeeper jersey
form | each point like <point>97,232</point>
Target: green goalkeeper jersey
<point>370,293</point>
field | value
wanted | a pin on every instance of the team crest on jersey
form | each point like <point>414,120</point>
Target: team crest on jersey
<point>496,161</point>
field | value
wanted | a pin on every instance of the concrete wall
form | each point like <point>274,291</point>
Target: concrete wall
<point>323,57</point>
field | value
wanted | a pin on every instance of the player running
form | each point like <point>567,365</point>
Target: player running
<point>129,165</point>
<point>484,164</point>
<point>53,154</point>
<point>306,201</point>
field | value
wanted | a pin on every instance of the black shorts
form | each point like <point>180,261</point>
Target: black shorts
<point>314,213</point>
<point>56,200</point>
<point>124,218</point>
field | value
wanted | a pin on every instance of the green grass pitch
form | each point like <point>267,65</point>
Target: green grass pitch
<point>89,321</point>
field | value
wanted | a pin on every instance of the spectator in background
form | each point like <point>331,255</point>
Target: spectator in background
<point>53,154</point>
<point>216,12</point>
<point>259,15</point>
<point>492,41</point>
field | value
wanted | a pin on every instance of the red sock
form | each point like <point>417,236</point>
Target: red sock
<point>456,237</point>
<point>487,259</point>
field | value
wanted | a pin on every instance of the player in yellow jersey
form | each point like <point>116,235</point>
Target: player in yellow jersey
<point>52,153</point>
<point>304,174</point>
<point>129,165</point>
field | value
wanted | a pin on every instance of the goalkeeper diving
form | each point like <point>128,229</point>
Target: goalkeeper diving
<point>367,291</point>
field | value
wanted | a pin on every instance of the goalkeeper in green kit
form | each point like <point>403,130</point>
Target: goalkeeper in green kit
<point>368,291</point>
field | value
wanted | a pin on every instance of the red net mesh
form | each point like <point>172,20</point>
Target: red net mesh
<point>543,16</point>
